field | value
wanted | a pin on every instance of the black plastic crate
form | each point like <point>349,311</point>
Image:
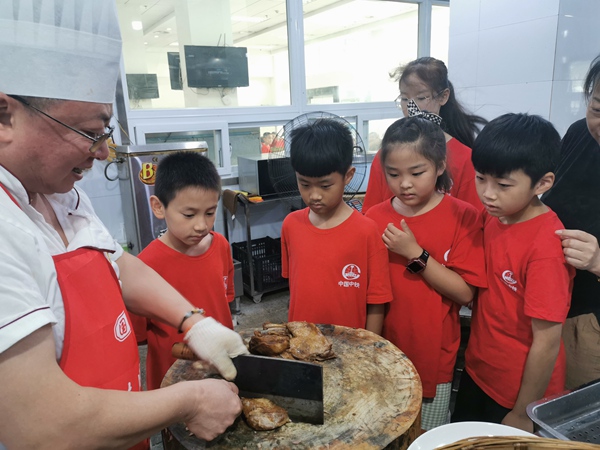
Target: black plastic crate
<point>266,262</point>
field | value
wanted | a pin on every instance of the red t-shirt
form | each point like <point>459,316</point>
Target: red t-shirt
<point>460,169</point>
<point>206,281</point>
<point>528,278</point>
<point>420,321</point>
<point>334,273</point>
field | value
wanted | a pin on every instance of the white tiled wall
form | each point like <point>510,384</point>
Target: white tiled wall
<point>523,56</point>
<point>106,197</point>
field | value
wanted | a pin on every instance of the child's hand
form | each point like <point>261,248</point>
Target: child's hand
<point>401,241</point>
<point>516,420</point>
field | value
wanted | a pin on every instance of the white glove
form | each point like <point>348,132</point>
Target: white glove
<point>216,344</point>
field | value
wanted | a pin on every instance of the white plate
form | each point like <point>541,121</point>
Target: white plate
<point>452,432</point>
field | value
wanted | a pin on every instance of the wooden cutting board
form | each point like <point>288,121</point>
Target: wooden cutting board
<point>372,399</point>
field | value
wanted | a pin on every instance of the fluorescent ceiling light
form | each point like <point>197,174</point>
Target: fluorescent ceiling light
<point>136,25</point>
<point>250,19</point>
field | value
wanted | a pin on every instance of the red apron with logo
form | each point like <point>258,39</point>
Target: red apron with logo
<point>99,349</point>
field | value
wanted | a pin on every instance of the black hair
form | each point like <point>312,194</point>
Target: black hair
<point>321,147</point>
<point>434,73</point>
<point>517,141</point>
<point>184,169</point>
<point>425,137</point>
<point>592,78</point>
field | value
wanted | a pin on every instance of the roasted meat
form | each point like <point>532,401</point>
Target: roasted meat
<point>262,414</point>
<point>308,343</point>
<point>293,340</point>
<point>268,344</point>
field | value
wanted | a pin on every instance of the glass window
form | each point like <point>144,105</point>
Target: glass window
<point>211,137</point>
<point>351,47</point>
<point>205,54</point>
<point>377,129</point>
<point>440,31</point>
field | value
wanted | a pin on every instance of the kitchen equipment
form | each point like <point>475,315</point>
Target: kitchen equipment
<point>253,173</point>
<point>137,170</point>
<point>572,415</point>
<point>371,394</point>
<point>282,174</point>
<point>296,386</point>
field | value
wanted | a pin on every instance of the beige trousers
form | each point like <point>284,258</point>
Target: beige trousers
<point>581,336</point>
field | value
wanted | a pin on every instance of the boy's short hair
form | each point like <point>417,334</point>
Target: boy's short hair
<point>517,141</point>
<point>321,147</point>
<point>184,169</point>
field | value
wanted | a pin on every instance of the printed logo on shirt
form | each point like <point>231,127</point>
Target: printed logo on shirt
<point>350,272</point>
<point>507,277</point>
<point>122,327</point>
<point>225,278</point>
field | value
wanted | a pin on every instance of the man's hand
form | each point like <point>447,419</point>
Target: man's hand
<point>581,250</point>
<point>523,422</point>
<point>217,407</point>
<point>216,344</point>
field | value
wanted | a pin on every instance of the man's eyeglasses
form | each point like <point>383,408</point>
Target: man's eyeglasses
<point>96,141</point>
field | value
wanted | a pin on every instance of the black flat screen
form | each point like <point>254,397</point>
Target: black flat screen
<point>208,66</point>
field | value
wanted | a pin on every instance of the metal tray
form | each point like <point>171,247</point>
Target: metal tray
<point>570,416</point>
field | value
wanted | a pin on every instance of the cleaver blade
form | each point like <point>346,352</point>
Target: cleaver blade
<point>296,386</point>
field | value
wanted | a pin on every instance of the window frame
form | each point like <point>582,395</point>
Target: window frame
<point>139,122</point>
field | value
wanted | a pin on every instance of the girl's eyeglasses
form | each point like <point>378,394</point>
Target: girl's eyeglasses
<point>420,100</point>
<point>96,141</point>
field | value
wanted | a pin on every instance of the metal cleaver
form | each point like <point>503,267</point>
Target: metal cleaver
<point>296,386</point>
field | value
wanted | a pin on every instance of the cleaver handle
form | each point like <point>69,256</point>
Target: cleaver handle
<point>180,350</point>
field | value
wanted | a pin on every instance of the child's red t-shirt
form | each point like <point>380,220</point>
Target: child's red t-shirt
<point>334,273</point>
<point>527,278</point>
<point>206,281</point>
<point>420,321</point>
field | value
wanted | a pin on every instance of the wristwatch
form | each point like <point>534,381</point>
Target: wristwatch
<point>417,265</point>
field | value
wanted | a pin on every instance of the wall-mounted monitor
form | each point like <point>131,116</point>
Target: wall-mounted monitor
<point>142,86</point>
<point>208,66</point>
<point>175,71</point>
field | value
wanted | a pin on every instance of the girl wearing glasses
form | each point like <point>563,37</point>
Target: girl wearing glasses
<point>425,82</point>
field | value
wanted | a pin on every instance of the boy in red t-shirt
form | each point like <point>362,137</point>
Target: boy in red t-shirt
<point>189,255</point>
<point>334,257</point>
<point>515,355</point>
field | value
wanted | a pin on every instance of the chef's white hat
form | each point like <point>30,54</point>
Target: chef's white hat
<point>64,49</point>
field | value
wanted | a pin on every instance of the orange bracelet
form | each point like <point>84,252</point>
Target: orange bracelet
<point>187,316</point>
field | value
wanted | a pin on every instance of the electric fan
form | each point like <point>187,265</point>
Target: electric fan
<point>283,176</point>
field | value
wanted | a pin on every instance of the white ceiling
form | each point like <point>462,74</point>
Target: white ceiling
<point>321,18</point>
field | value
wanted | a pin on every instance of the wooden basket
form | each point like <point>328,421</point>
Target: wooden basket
<point>516,442</point>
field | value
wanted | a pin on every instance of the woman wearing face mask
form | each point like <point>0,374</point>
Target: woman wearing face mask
<point>425,82</point>
<point>574,197</point>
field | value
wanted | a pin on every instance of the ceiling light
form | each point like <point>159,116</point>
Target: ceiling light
<point>137,25</point>
<point>250,19</point>
<point>174,44</point>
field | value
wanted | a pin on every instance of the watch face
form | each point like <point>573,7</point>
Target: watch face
<point>415,266</point>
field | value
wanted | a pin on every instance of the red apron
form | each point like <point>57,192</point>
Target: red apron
<point>99,349</point>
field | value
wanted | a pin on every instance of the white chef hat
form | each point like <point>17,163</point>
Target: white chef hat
<point>64,49</point>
